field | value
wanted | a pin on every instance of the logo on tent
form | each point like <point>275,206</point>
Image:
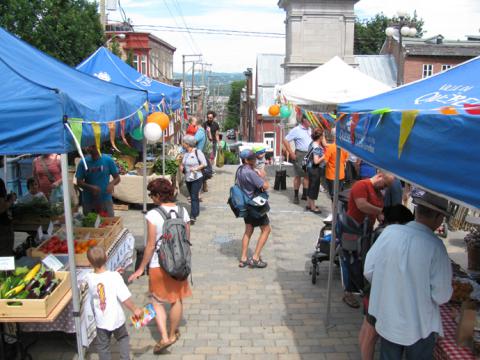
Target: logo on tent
<point>145,81</point>
<point>102,75</point>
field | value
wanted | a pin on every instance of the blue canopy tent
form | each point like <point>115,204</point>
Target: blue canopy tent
<point>40,98</point>
<point>426,132</point>
<point>107,66</point>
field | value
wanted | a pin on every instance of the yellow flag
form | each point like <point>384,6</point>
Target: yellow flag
<point>97,132</point>
<point>406,126</point>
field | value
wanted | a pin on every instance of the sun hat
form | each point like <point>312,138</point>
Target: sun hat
<point>259,149</point>
<point>432,201</point>
<point>247,154</point>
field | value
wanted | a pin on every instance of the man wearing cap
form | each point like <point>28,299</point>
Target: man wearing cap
<point>411,274</point>
<point>250,182</point>
<point>301,136</point>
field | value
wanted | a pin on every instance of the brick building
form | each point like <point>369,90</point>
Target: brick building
<point>421,58</point>
<point>152,56</point>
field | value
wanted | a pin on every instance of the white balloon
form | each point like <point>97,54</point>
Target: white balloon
<point>152,132</point>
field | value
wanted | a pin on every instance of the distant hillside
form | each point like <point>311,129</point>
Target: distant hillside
<point>219,82</point>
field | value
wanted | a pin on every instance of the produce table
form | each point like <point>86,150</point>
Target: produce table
<point>120,254</point>
<point>446,348</point>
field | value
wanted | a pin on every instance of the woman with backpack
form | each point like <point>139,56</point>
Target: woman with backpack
<point>193,163</point>
<point>315,169</point>
<point>163,288</point>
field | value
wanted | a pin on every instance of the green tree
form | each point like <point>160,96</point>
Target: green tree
<point>68,30</point>
<point>115,47</point>
<point>370,33</point>
<point>233,106</point>
<point>129,60</point>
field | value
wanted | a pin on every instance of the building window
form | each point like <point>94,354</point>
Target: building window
<point>135,61</point>
<point>446,67</point>
<point>143,64</point>
<point>269,139</point>
<point>427,70</point>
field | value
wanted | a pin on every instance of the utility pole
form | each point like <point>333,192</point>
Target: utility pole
<point>103,17</point>
<point>193,82</point>
<point>184,87</point>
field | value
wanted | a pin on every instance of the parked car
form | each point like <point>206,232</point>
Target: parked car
<point>231,134</point>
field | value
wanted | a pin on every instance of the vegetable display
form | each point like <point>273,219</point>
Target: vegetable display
<point>90,219</point>
<point>24,283</point>
<point>171,167</point>
<point>58,246</point>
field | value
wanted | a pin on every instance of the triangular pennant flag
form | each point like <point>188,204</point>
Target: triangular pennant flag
<point>353,125</point>
<point>381,111</point>
<point>310,118</point>
<point>406,126</point>
<point>111,128</point>
<point>140,116</point>
<point>325,122</point>
<point>77,129</point>
<point>97,133</point>
<point>122,133</point>
<point>448,110</point>
<point>145,105</point>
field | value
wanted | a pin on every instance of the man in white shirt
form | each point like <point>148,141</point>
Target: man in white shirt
<point>301,136</point>
<point>411,274</point>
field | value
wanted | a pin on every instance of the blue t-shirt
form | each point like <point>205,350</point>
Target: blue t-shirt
<point>98,174</point>
<point>200,138</point>
<point>249,181</point>
<point>367,170</point>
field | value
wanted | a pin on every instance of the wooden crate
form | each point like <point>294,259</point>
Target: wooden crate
<point>36,308</point>
<point>115,225</point>
<point>80,259</point>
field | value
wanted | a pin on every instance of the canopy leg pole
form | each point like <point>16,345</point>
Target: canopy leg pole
<point>5,170</point>
<point>71,254</point>
<point>333,241</point>
<point>163,152</point>
<point>144,209</point>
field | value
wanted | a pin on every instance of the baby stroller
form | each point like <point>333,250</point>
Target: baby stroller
<point>322,246</point>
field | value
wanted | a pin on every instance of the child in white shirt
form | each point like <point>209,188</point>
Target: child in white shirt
<point>260,152</point>
<point>108,291</point>
<point>33,192</point>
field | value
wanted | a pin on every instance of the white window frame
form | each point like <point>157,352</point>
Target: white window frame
<point>270,138</point>
<point>446,67</point>
<point>135,62</point>
<point>427,70</point>
<point>143,64</point>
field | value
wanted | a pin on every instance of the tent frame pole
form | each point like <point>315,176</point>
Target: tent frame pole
<point>71,253</point>
<point>144,208</point>
<point>333,242</point>
<point>163,153</point>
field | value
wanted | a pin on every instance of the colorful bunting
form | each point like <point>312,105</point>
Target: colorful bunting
<point>122,133</point>
<point>472,109</point>
<point>381,111</point>
<point>111,128</point>
<point>325,122</point>
<point>77,130</point>
<point>406,126</point>
<point>97,133</point>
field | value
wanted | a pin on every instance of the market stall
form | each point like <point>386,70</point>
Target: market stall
<point>48,107</point>
<point>426,133</point>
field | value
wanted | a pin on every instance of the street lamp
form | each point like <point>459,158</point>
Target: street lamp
<point>402,28</point>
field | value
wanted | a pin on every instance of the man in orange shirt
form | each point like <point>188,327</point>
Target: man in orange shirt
<point>330,159</point>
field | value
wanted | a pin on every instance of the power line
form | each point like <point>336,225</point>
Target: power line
<point>212,31</point>
<point>192,45</point>
<point>175,2</point>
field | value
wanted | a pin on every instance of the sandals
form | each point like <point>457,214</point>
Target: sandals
<point>161,346</point>
<point>316,210</point>
<point>243,264</point>
<point>350,300</point>
<point>259,264</point>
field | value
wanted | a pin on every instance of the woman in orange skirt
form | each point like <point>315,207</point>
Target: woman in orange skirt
<point>163,288</point>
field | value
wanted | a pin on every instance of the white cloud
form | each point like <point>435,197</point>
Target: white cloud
<point>452,19</point>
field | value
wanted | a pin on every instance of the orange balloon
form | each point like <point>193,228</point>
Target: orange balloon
<point>159,118</point>
<point>274,110</point>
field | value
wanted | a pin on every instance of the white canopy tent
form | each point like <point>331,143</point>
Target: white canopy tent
<point>334,82</point>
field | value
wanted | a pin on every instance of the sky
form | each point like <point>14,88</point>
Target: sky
<point>452,19</point>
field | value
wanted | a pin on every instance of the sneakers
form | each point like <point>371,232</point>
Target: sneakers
<point>329,218</point>
<point>296,200</point>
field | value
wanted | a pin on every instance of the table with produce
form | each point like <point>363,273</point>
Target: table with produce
<point>23,290</point>
<point>460,319</point>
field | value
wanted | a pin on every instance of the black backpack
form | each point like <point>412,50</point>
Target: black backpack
<point>307,158</point>
<point>174,255</point>
<point>207,171</point>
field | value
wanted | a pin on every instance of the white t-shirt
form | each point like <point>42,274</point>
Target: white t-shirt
<point>108,291</point>
<point>155,218</point>
<point>28,198</point>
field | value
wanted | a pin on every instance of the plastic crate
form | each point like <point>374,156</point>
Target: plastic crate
<point>25,168</point>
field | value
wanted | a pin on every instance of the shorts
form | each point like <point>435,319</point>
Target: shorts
<point>264,220</point>
<point>297,164</point>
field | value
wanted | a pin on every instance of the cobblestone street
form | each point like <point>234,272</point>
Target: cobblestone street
<point>272,313</point>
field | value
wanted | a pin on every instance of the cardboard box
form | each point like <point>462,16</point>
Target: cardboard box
<point>36,308</point>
